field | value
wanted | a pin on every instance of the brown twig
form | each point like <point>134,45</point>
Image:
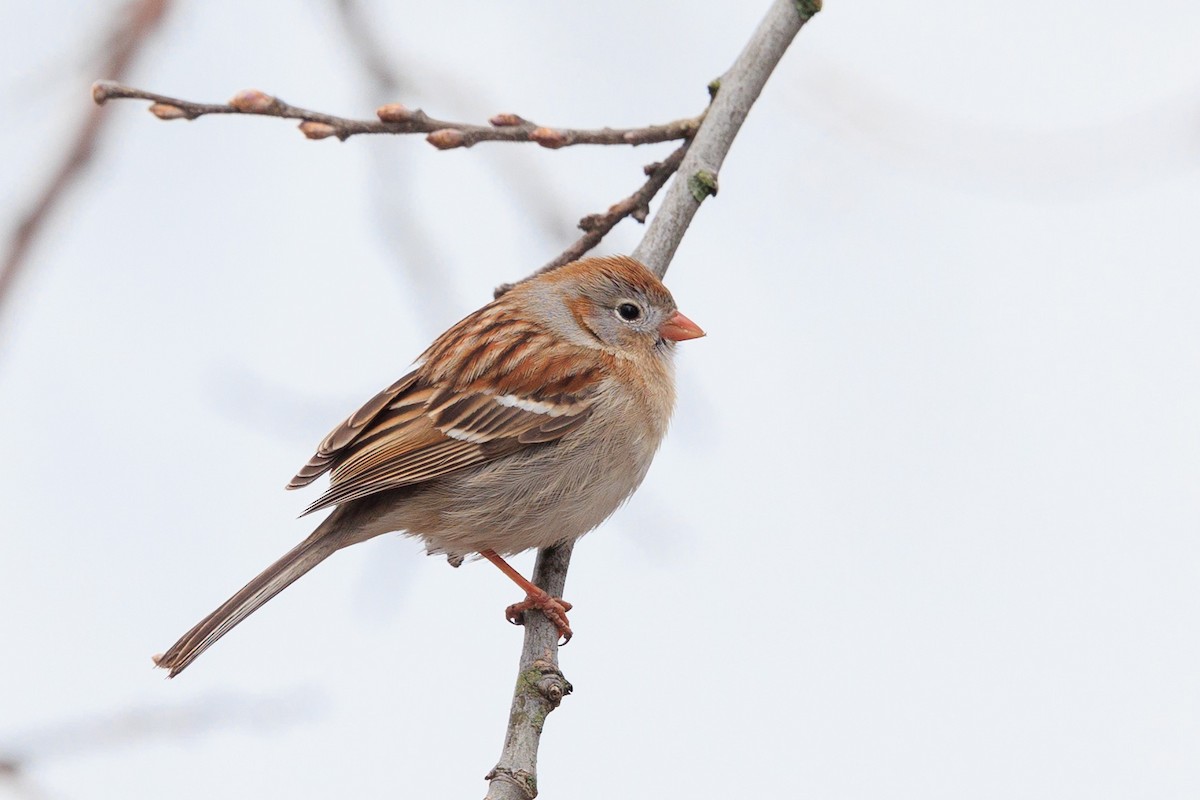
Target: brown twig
<point>124,43</point>
<point>397,119</point>
<point>597,226</point>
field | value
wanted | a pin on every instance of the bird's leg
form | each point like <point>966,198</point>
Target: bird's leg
<point>555,608</point>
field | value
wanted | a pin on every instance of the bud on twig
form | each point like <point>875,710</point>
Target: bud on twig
<point>447,138</point>
<point>506,121</point>
<point>394,112</point>
<point>252,101</point>
<point>168,111</point>
<point>100,92</point>
<point>548,137</point>
<point>317,130</point>
<point>591,222</point>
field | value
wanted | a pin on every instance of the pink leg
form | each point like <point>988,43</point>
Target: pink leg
<point>554,608</point>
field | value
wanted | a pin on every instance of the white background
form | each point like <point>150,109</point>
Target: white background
<point>926,524</point>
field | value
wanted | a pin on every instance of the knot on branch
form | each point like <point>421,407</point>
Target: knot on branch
<point>544,677</point>
<point>701,184</point>
<point>554,688</point>
<point>808,8</point>
<point>524,780</point>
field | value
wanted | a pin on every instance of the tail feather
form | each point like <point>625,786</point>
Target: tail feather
<point>323,542</point>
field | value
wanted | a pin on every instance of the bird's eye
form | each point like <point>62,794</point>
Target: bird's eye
<point>628,311</point>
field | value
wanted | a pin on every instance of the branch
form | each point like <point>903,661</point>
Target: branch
<point>540,688</point>
<point>515,776</point>
<point>597,226</point>
<point>443,134</point>
<point>736,92</point>
<point>397,119</point>
<point>125,42</point>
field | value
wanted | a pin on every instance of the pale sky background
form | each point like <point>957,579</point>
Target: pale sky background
<point>927,522</point>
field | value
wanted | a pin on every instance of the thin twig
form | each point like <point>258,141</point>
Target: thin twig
<point>397,119</point>
<point>142,19</point>
<point>597,226</point>
<point>515,776</point>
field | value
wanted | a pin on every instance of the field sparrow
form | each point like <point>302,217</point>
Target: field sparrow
<point>524,425</point>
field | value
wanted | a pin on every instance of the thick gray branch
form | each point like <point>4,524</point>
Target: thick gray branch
<point>540,684</point>
<point>540,687</point>
<point>736,93</point>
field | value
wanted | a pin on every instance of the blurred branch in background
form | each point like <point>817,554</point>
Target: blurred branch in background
<point>138,21</point>
<point>407,244</point>
<point>385,77</point>
<point>381,68</point>
<point>85,736</point>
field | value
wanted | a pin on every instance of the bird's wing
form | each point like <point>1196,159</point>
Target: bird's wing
<point>343,435</point>
<point>416,431</point>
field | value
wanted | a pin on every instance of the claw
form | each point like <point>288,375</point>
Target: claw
<point>554,608</point>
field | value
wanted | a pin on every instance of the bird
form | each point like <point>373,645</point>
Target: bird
<point>524,425</point>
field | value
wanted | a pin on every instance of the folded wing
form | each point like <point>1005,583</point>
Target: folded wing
<point>432,422</point>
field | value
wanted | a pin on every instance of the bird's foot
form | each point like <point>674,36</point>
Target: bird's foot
<point>554,608</point>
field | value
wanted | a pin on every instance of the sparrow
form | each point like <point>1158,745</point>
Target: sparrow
<point>522,426</point>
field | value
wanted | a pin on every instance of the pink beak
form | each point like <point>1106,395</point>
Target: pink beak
<point>679,327</point>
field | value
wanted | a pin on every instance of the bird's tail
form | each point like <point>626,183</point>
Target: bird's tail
<point>323,542</point>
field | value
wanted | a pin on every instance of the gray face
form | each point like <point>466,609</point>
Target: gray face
<point>627,317</point>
